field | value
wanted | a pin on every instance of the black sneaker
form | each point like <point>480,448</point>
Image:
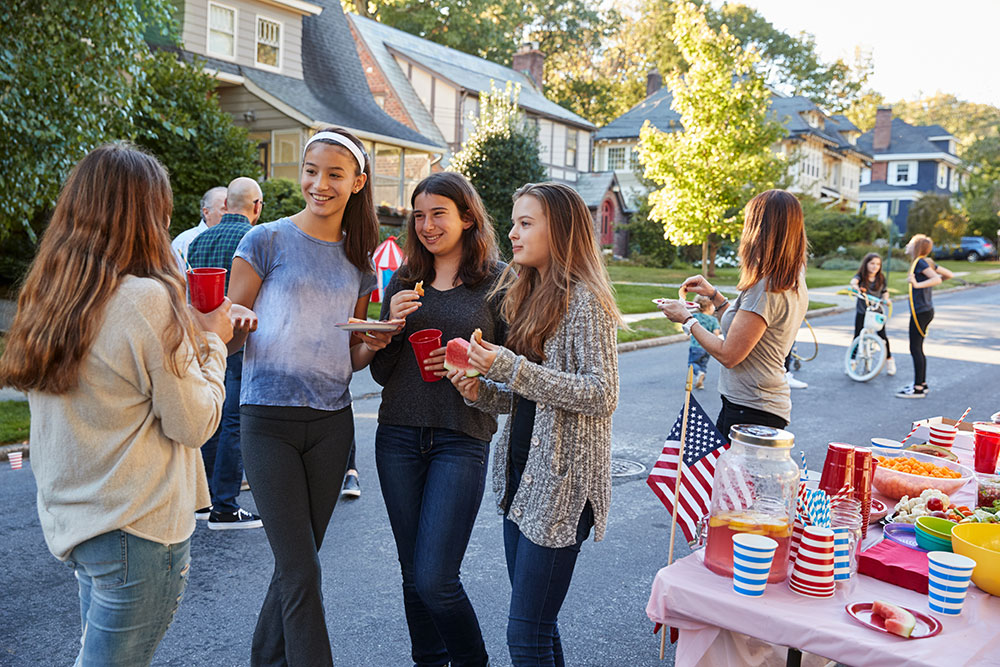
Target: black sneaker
<point>909,391</point>
<point>352,487</point>
<point>203,513</point>
<point>234,520</point>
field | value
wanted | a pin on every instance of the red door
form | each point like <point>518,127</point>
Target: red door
<point>607,223</point>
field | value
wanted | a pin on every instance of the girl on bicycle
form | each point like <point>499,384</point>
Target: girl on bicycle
<point>557,373</point>
<point>924,275</point>
<point>871,280</point>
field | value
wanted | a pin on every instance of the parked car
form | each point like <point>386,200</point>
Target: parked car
<point>972,248</point>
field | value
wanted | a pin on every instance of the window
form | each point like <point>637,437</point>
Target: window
<point>866,176</point>
<point>416,167</point>
<point>286,154</point>
<point>942,175</point>
<point>616,158</point>
<point>268,43</point>
<point>954,180</point>
<point>633,159</point>
<point>902,173</point>
<point>221,30</point>
<point>387,174</point>
<point>879,210</point>
<point>571,148</point>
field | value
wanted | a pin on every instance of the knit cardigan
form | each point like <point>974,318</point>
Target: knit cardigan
<point>569,458</point>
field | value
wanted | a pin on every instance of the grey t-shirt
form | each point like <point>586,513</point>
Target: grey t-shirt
<point>759,380</point>
<point>297,357</point>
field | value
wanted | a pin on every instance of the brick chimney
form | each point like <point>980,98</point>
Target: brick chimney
<point>529,60</point>
<point>883,129</point>
<point>654,81</point>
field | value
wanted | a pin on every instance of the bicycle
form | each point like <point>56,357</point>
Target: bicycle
<point>867,353</point>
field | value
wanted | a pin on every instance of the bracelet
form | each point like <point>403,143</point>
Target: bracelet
<point>715,294</point>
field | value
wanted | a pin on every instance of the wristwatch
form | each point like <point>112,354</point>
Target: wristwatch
<point>688,323</point>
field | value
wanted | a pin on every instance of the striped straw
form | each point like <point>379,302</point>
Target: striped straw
<point>903,441</point>
<point>964,415</point>
<point>804,474</point>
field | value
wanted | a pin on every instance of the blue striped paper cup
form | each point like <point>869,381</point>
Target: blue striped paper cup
<point>752,557</point>
<point>948,577</point>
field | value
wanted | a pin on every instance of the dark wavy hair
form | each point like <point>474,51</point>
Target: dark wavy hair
<point>879,277</point>
<point>479,242</point>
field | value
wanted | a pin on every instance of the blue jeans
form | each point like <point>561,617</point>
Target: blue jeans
<point>130,589</point>
<point>433,480</point>
<point>539,580</point>
<point>698,357</point>
<point>221,453</point>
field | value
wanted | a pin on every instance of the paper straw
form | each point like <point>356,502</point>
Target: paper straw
<point>903,441</point>
<point>804,475</point>
<point>964,415</point>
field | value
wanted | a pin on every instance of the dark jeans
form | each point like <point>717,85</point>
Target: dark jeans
<point>295,458</point>
<point>432,481</point>
<point>732,413</point>
<point>698,357</point>
<point>221,453</point>
<point>917,346</point>
<point>539,580</point>
<point>859,322</point>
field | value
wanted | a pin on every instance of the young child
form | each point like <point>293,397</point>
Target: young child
<point>697,356</point>
<point>557,373</point>
<point>303,274</point>
<point>125,382</point>
<point>432,461</point>
<point>871,280</point>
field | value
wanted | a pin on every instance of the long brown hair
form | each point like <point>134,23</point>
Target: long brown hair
<point>879,277</point>
<point>479,242</point>
<point>110,221</point>
<point>922,246</point>
<point>360,225</point>
<point>774,245</point>
<point>533,307</point>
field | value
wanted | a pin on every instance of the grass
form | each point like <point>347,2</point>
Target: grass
<point>15,421</point>
<point>816,305</point>
<point>651,328</point>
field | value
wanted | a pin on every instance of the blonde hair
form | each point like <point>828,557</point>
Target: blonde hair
<point>110,220</point>
<point>922,245</point>
<point>533,307</point>
<point>703,303</point>
<point>774,244</point>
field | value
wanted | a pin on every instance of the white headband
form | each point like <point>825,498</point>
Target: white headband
<point>343,141</point>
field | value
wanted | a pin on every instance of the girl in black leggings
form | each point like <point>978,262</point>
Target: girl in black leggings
<point>924,275</point>
<point>870,280</point>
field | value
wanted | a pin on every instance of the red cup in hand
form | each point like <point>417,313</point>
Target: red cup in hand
<point>207,287</point>
<point>424,342</point>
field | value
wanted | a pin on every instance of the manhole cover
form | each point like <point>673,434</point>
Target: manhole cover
<point>626,468</point>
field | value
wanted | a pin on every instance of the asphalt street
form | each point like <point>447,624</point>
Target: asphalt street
<point>603,622</point>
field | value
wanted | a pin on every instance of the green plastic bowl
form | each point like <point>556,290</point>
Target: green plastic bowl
<point>931,542</point>
<point>936,526</point>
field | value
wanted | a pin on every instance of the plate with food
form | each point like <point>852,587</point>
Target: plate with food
<point>381,326</point>
<point>690,305</point>
<point>894,620</point>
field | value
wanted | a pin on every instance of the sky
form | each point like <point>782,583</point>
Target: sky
<point>918,46</point>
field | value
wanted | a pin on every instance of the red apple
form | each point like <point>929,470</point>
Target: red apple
<point>935,504</point>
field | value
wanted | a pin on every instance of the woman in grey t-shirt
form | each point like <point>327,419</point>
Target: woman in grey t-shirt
<point>760,326</point>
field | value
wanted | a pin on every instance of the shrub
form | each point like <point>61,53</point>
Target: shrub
<point>933,215</point>
<point>648,240</point>
<point>829,229</point>
<point>282,198</point>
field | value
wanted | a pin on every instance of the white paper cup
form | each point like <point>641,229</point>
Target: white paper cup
<point>752,558</point>
<point>943,435</point>
<point>948,576</point>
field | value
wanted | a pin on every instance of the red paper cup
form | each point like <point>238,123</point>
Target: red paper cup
<point>943,435</point>
<point>986,438</point>
<point>864,471</point>
<point>207,287</point>
<point>797,528</point>
<point>838,469</point>
<point>15,460</point>
<point>424,342</point>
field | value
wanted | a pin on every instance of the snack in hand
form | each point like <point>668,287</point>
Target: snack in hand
<point>456,357</point>
<point>419,288</point>
<point>478,336</point>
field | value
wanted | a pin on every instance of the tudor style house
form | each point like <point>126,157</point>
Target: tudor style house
<point>434,90</point>
<point>824,156</point>
<point>286,68</point>
<point>909,161</point>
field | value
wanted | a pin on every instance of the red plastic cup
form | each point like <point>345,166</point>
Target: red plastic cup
<point>207,287</point>
<point>986,437</point>
<point>863,473</point>
<point>838,469</point>
<point>424,342</point>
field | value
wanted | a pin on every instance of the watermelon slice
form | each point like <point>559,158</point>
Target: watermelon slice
<point>897,620</point>
<point>456,357</point>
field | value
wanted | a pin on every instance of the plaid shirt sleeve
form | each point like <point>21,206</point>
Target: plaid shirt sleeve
<point>216,246</point>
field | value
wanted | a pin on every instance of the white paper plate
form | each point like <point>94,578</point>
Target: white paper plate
<point>370,325</point>
<point>690,305</point>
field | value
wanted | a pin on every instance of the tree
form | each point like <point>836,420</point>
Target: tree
<point>830,228</point>
<point>282,198</point>
<point>708,171</point>
<point>500,156</point>
<point>934,216</point>
<point>981,194</point>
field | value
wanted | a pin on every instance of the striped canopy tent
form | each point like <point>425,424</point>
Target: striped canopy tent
<point>388,257</point>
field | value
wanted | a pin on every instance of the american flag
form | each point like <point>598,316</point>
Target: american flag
<point>704,446</point>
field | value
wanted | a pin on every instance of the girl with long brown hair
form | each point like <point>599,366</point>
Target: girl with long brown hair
<point>557,374</point>
<point>760,326</point>
<point>871,280</point>
<point>124,382</point>
<point>301,275</point>
<point>430,447</point>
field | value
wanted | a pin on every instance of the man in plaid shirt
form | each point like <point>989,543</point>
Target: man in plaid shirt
<point>215,247</point>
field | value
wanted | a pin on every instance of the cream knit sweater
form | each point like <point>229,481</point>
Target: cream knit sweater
<point>121,450</point>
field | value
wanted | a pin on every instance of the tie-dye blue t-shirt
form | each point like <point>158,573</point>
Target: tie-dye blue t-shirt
<point>296,357</point>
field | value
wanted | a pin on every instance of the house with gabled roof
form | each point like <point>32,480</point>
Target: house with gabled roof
<point>435,90</point>
<point>286,68</point>
<point>909,161</point>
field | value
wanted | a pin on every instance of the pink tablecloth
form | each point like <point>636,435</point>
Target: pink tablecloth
<point>703,606</point>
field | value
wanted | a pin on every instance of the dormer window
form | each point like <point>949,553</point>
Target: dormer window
<point>268,43</point>
<point>221,30</point>
<point>812,119</point>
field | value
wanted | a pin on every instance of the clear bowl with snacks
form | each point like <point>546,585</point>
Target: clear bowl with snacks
<point>904,473</point>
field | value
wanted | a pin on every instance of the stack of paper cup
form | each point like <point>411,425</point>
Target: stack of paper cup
<point>943,435</point>
<point>793,548</point>
<point>15,460</point>
<point>812,574</point>
<point>948,577</point>
<point>752,556</point>
<point>841,554</point>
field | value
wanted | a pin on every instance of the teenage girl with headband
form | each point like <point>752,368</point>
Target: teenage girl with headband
<point>924,274</point>
<point>300,275</point>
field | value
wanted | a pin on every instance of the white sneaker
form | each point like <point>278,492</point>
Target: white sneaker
<point>793,383</point>
<point>700,382</point>
<point>890,366</point>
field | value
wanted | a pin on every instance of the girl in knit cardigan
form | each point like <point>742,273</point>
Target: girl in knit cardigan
<point>557,374</point>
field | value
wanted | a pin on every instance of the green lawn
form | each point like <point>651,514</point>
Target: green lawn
<point>15,421</point>
<point>651,328</point>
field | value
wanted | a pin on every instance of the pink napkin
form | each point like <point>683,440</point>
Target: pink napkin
<point>895,564</point>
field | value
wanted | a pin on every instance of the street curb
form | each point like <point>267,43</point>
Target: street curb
<point>7,450</point>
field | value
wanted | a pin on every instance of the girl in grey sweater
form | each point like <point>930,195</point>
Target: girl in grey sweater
<point>557,374</point>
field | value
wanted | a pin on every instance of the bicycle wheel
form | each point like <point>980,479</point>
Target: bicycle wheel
<point>865,357</point>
